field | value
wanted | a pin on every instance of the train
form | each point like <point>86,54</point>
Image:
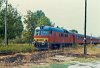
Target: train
<point>48,37</point>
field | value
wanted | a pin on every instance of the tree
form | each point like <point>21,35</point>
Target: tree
<point>74,31</point>
<point>30,23</point>
<point>32,20</point>
<point>25,36</point>
<point>43,21</point>
<point>14,23</point>
<point>1,2</point>
<point>1,27</point>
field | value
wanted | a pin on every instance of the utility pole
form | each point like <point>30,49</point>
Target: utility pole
<point>6,23</point>
<point>85,48</point>
<point>91,39</point>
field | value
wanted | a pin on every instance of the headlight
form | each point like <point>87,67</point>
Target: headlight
<point>45,40</point>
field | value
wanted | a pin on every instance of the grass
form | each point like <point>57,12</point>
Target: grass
<point>92,51</point>
<point>13,48</point>
<point>53,65</point>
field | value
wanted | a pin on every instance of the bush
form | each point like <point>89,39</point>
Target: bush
<point>1,41</point>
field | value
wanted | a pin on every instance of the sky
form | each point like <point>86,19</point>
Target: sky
<point>65,13</point>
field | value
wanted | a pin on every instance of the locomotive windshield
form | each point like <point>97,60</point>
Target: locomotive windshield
<point>41,33</point>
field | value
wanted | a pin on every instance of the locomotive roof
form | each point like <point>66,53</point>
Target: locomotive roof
<point>52,29</point>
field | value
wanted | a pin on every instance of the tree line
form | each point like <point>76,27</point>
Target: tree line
<point>17,30</point>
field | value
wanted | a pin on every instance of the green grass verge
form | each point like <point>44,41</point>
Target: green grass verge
<point>16,48</point>
<point>53,65</point>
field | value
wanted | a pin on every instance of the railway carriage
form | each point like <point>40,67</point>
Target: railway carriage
<point>79,39</point>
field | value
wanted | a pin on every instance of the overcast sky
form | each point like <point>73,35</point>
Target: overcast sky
<point>65,13</point>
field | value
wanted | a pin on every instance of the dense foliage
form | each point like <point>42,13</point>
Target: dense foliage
<point>1,2</point>
<point>14,23</point>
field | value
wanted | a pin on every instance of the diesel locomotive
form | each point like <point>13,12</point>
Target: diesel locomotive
<point>46,37</point>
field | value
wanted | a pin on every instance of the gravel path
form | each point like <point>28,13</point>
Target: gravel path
<point>85,65</point>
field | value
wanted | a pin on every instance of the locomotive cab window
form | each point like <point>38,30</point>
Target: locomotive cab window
<point>41,33</point>
<point>44,33</point>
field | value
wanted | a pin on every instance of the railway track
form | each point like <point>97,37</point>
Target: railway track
<point>36,56</point>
